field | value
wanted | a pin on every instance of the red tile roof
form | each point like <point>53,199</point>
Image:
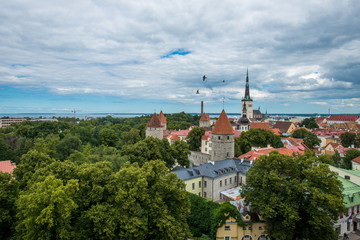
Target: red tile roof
<point>205,117</point>
<point>174,137</point>
<point>162,117</point>
<point>344,118</point>
<point>154,122</point>
<point>357,160</point>
<point>261,125</point>
<point>223,125</point>
<point>7,166</point>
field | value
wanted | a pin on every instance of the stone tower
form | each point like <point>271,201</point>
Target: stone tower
<point>222,138</point>
<point>204,120</point>
<point>247,100</point>
<point>162,119</point>
<point>243,124</point>
<point>154,128</point>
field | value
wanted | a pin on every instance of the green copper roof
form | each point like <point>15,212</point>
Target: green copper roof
<point>351,192</point>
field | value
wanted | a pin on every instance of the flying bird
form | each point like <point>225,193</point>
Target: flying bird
<point>197,92</point>
<point>204,78</point>
<point>223,81</point>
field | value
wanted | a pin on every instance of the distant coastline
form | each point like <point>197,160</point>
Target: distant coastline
<point>82,115</point>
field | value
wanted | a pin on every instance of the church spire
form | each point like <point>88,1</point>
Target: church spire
<point>247,90</point>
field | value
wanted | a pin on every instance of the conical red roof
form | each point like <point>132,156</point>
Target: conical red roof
<point>154,122</point>
<point>205,117</point>
<point>223,125</point>
<point>162,117</point>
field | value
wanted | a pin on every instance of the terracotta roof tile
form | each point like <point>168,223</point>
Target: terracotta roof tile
<point>223,125</point>
<point>205,117</point>
<point>7,166</point>
<point>162,117</point>
<point>283,126</point>
<point>174,137</point>
<point>345,118</point>
<point>261,125</point>
<point>357,160</point>
<point>154,122</point>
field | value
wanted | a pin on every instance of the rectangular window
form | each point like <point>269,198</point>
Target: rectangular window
<point>227,228</point>
<point>235,179</point>
<point>199,194</point>
<point>193,186</point>
<point>227,238</point>
<point>250,228</point>
<point>199,184</point>
<point>204,184</point>
<point>205,149</point>
<point>204,194</point>
<point>230,180</point>
<point>260,228</point>
<point>220,183</point>
<point>225,182</point>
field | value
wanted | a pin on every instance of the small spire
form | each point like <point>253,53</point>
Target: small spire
<point>247,90</point>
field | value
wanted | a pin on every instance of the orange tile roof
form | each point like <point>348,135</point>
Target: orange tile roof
<point>174,137</point>
<point>275,131</point>
<point>223,125</point>
<point>256,153</point>
<point>7,166</point>
<point>357,160</point>
<point>162,117</point>
<point>205,117</point>
<point>262,125</point>
<point>154,122</point>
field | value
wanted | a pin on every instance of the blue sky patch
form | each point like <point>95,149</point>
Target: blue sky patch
<point>180,51</point>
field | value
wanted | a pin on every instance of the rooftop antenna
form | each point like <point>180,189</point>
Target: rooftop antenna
<point>329,110</point>
<point>223,98</point>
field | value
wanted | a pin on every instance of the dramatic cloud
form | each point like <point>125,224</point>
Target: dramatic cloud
<point>302,56</point>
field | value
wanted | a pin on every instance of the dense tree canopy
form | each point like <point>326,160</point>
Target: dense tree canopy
<point>257,137</point>
<point>194,138</point>
<point>310,139</point>
<point>298,197</point>
<point>349,156</point>
<point>309,123</point>
<point>348,139</point>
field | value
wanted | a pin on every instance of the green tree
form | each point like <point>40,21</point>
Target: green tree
<point>201,218</point>
<point>349,156</point>
<point>348,139</point>
<point>237,147</point>
<point>298,197</point>
<point>108,137</point>
<point>44,211</point>
<point>67,145</point>
<point>194,138</point>
<point>181,152</point>
<point>130,137</point>
<point>29,163</point>
<point>258,138</point>
<point>153,204</point>
<point>310,139</point>
<point>336,159</point>
<point>47,145</point>
<point>8,195</point>
<point>5,151</point>
<point>309,123</point>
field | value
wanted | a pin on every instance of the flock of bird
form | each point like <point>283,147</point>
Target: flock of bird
<point>204,79</point>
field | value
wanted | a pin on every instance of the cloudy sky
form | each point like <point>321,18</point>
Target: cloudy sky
<point>147,55</point>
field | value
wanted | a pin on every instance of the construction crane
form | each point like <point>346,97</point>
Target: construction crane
<point>75,111</point>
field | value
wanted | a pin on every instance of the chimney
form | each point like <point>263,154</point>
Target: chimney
<point>202,107</point>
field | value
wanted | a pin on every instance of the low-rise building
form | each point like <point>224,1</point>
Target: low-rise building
<point>5,122</point>
<point>210,179</point>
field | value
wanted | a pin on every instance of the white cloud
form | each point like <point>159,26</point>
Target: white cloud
<point>115,48</point>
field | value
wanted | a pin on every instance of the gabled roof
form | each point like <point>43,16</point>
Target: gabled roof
<point>154,122</point>
<point>7,166</point>
<point>334,145</point>
<point>205,117</point>
<point>162,117</point>
<point>357,160</point>
<point>223,125</point>
<point>174,137</point>
<point>261,125</point>
<point>344,118</point>
<point>283,126</point>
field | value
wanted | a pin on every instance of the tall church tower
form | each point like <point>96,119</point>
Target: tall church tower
<point>154,128</point>
<point>247,101</point>
<point>222,138</point>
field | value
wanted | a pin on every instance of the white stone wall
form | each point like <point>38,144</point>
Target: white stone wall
<point>222,147</point>
<point>154,132</point>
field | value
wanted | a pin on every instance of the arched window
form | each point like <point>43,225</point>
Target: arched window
<point>219,137</point>
<point>263,237</point>
<point>247,237</point>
